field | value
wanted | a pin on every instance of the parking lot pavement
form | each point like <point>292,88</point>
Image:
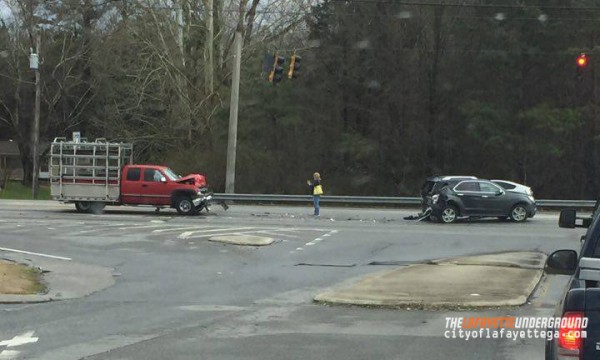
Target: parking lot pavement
<point>178,295</point>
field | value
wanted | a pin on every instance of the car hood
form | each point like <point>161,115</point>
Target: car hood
<point>193,179</point>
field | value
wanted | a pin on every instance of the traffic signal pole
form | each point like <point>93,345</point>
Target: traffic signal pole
<point>233,114</point>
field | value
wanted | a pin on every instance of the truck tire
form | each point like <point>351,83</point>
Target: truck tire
<point>184,206</point>
<point>97,207</point>
<point>83,206</point>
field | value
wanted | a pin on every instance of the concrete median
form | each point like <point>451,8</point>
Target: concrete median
<point>489,280</point>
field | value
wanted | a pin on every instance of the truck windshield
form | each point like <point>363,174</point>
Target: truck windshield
<point>170,174</point>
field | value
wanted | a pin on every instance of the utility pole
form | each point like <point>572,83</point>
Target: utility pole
<point>179,16</point>
<point>209,67</point>
<point>235,97</point>
<point>34,65</point>
<point>233,114</point>
<point>181,81</point>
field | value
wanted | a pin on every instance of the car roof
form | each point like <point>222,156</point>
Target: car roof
<point>450,177</point>
<point>509,182</point>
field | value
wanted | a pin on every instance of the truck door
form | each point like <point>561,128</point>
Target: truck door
<point>131,186</point>
<point>154,190</point>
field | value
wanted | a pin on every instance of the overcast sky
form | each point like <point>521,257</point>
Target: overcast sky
<point>4,10</point>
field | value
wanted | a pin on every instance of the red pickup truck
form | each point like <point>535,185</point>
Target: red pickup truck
<point>95,174</point>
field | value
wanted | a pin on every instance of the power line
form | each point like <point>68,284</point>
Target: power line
<point>395,2</point>
<point>405,15</point>
<point>401,16</point>
<point>488,6</point>
<point>427,4</point>
<point>566,53</point>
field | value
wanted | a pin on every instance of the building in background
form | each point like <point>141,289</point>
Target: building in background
<point>10,162</point>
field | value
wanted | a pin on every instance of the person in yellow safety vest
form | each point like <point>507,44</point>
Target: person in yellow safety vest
<point>316,190</point>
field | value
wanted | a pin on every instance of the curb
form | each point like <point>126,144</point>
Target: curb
<point>63,279</point>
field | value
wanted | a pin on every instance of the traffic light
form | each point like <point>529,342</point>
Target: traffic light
<point>582,62</point>
<point>294,67</point>
<point>277,71</point>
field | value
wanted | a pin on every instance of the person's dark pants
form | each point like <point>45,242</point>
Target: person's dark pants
<point>316,199</point>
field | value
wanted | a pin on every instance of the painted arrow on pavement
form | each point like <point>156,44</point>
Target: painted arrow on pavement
<point>25,338</point>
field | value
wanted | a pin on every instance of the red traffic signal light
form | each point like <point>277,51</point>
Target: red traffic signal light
<point>582,60</point>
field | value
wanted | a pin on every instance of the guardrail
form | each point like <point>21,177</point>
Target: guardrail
<point>373,200</point>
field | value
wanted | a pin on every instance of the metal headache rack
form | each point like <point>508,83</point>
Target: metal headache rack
<point>87,171</point>
<point>589,269</point>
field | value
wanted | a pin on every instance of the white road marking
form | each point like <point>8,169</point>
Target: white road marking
<point>310,243</point>
<point>202,233</point>
<point>181,228</point>
<point>63,225</point>
<point>19,340</point>
<point>211,308</point>
<point>185,235</point>
<point>299,249</point>
<point>9,354</point>
<point>318,239</point>
<point>278,234</point>
<point>326,235</point>
<point>36,254</point>
<point>334,231</point>
<point>141,226</point>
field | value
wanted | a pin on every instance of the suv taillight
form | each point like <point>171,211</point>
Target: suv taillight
<point>570,342</point>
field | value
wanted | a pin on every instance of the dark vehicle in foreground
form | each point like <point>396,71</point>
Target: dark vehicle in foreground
<point>448,198</point>
<point>582,294</point>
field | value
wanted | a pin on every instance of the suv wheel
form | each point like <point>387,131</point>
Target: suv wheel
<point>518,213</point>
<point>449,214</point>
<point>185,206</point>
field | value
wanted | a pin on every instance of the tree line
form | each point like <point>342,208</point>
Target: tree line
<point>390,92</point>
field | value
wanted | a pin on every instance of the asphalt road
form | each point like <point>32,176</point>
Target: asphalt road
<point>179,296</point>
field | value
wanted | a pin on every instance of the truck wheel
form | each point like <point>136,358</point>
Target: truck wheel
<point>83,206</point>
<point>184,206</point>
<point>518,213</point>
<point>97,207</point>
